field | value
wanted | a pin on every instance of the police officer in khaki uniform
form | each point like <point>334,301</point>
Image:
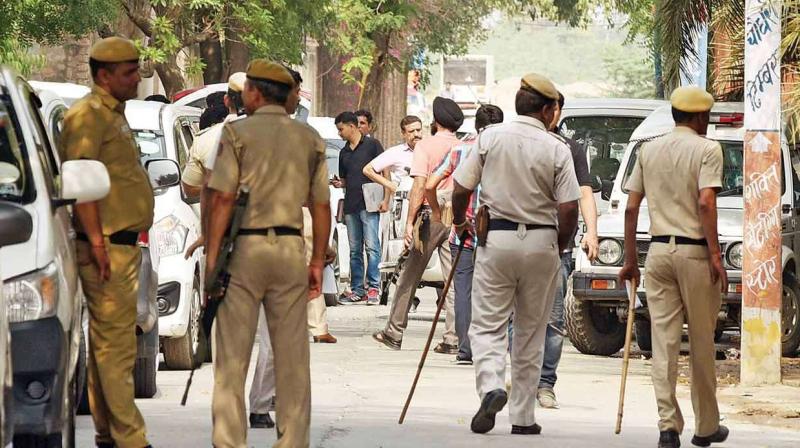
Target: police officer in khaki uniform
<point>528,184</point>
<point>109,258</point>
<point>268,267</point>
<point>681,173</point>
<point>207,141</point>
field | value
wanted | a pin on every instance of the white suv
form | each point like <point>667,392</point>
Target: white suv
<point>167,132</point>
<point>41,288</point>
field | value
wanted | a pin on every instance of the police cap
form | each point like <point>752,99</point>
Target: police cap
<point>262,69</point>
<point>539,84</point>
<point>691,100</point>
<point>114,50</point>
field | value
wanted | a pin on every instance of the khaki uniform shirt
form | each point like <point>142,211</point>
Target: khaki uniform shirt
<point>95,128</point>
<point>280,159</point>
<point>203,154</point>
<point>670,171</point>
<point>524,172</point>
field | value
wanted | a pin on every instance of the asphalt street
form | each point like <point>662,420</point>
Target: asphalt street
<point>359,386</point>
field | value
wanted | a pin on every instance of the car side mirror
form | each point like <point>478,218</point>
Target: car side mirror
<point>83,181</point>
<point>597,184</point>
<point>16,224</point>
<point>164,173</point>
<point>605,190</point>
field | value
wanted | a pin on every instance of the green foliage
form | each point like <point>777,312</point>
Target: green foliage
<point>629,74</point>
<point>25,22</point>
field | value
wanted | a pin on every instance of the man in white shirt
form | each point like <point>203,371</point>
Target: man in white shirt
<point>392,166</point>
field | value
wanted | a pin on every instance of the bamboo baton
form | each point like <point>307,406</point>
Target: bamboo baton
<point>439,306</point>
<point>627,351</point>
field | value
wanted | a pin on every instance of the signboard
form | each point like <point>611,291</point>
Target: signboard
<point>762,270</point>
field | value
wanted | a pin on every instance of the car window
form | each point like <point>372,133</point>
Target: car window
<point>12,162</point>
<point>181,145</point>
<point>732,168</point>
<point>604,138</point>
<point>56,126</point>
<point>151,145</point>
<point>41,139</point>
<point>332,148</point>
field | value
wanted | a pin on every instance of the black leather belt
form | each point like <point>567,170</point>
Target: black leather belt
<point>279,231</point>
<point>680,240</point>
<point>122,238</point>
<point>504,224</point>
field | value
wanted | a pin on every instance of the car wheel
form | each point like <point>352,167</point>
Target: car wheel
<point>182,353</point>
<point>643,336</point>
<point>790,315</point>
<point>82,391</point>
<point>144,376</point>
<point>593,329</point>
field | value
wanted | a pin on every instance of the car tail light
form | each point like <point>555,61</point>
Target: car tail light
<point>732,119</point>
<point>144,239</point>
<point>734,288</point>
<point>183,93</point>
<point>604,284</point>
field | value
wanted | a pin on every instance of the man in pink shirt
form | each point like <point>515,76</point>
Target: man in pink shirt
<point>432,234</point>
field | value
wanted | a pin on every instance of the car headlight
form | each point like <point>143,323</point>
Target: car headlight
<point>170,236</point>
<point>33,295</point>
<point>609,252</point>
<point>735,255</point>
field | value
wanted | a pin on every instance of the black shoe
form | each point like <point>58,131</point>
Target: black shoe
<point>534,429</point>
<point>669,439</point>
<point>463,361</point>
<point>381,337</point>
<point>446,349</point>
<point>261,421</point>
<point>491,404</point>
<point>718,437</point>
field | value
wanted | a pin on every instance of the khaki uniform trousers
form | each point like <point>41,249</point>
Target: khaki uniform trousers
<point>262,391</point>
<point>112,344</point>
<point>270,272</point>
<point>515,272</point>
<point>679,288</point>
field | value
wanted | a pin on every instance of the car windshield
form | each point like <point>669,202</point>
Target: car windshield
<point>332,148</point>
<point>151,145</point>
<point>604,139</point>
<point>12,162</point>
<point>732,168</point>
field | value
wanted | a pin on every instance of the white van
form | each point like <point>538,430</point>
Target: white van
<point>166,132</point>
<point>41,290</point>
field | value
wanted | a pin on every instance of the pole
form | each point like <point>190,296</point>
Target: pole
<point>762,268</point>
<point>627,352</point>
<point>440,304</point>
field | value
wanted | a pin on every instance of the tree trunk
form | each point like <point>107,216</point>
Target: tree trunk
<point>211,54</point>
<point>171,76</point>
<point>385,93</point>
<point>237,54</point>
<point>334,96</point>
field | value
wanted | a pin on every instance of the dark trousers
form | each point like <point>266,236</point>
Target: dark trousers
<point>462,281</point>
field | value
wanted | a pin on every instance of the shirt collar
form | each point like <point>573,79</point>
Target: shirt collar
<point>271,109</point>
<point>531,121</point>
<point>109,101</point>
<point>684,130</point>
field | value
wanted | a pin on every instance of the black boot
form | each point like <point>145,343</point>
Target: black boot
<point>669,439</point>
<point>492,403</point>
<point>261,421</point>
<point>718,437</point>
<point>533,429</point>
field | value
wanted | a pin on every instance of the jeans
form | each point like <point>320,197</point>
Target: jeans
<point>554,341</point>
<point>462,281</point>
<point>362,233</point>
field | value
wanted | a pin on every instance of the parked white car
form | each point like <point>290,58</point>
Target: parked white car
<point>197,98</point>
<point>167,132</point>
<point>41,289</point>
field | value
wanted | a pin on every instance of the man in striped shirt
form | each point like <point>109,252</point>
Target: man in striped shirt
<point>486,115</point>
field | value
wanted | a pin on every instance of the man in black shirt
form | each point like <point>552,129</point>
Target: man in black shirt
<point>555,328</point>
<point>362,226</point>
